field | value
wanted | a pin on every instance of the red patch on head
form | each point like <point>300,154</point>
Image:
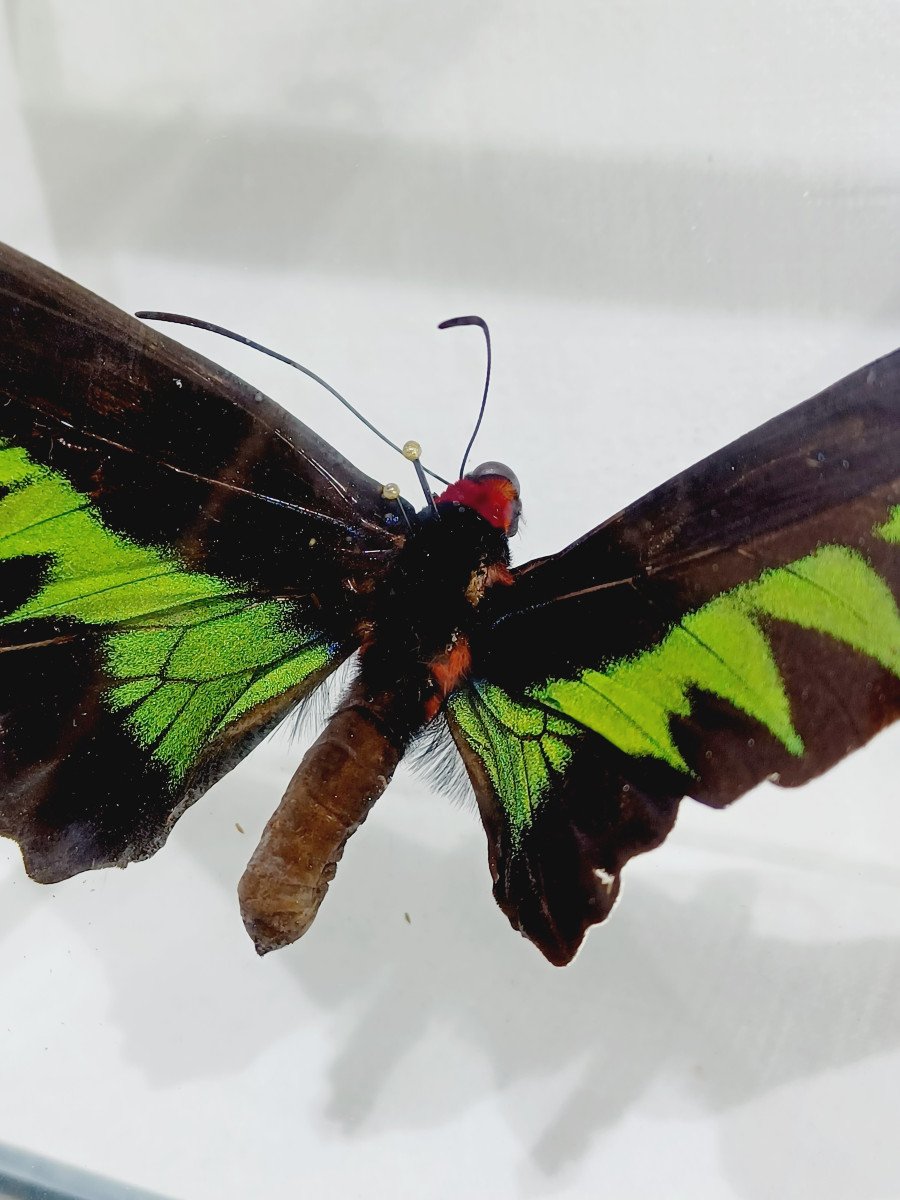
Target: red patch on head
<point>491,496</point>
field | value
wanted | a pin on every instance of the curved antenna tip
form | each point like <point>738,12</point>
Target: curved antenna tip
<point>453,323</point>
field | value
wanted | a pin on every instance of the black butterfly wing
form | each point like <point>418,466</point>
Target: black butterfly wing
<point>181,561</point>
<point>739,623</point>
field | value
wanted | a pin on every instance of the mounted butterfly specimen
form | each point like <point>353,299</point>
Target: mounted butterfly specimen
<point>182,562</point>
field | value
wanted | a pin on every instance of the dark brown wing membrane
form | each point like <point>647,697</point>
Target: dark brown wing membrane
<point>739,623</point>
<point>78,791</point>
<point>825,471</point>
<point>181,561</point>
<point>175,451</point>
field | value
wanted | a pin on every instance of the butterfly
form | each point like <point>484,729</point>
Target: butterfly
<point>182,563</point>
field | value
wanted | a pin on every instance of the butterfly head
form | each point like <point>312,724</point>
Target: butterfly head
<point>491,490</point>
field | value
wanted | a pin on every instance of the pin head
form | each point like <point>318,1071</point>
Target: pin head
<point>412,451</point>
<point>390,491</point>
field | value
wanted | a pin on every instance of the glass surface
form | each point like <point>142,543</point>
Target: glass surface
<point>25,1176</point>
<point>679,220</point>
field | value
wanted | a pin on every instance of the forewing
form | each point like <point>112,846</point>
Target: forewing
<point>739,623</point>
<point>180,562</point>
<point>174,451</point>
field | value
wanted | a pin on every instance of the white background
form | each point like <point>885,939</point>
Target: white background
<point>679,219</point>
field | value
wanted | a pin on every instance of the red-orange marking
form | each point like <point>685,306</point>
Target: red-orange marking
<point>492,497</point>
<point>446,671</point>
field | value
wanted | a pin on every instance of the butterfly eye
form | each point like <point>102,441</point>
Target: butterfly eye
<point>499,470</point>
<point>496,468</point>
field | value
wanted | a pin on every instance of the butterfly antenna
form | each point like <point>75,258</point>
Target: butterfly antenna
<point>196,323</point>
<point>482,325</point>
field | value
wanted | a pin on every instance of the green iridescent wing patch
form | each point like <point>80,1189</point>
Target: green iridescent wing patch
<point>186,654</point>
<point>521,746</point>
<point>890,530</point>
<point>723,649</point>
<point>182,562</point>
<point>189,675</point>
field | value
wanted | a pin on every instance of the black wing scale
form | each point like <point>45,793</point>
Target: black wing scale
<point>244,511</point>
<point>791,535</point>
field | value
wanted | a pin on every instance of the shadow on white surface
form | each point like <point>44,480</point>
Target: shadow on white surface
<point>253,195</point>
<point>681,1006</point>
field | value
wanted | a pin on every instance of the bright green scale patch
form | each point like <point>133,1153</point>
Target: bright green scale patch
<point>188,653</point>
<point>720,648</point>
<point>890,530</point>
<point>520,745</point>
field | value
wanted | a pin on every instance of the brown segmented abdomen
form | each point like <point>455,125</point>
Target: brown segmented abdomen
<point>414,653</point>
<point>341,776</point>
